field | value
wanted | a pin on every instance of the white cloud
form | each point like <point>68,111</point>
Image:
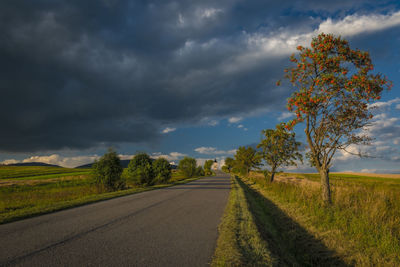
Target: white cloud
<point>285,115</point>
<point>208,121</point>
<point>382,104</point>
<point>168,130</point>
<point>10,161</point>
<point>197,18</point>
<point>382,122</point>
<point>181,20</point>
<point>213,123</point>
<point>235,119</point>
<point>125,157</point>
<point>385,131</point>
<point>214,151</point>
<point>356,24</point>
<point>171,157</point>
<point>351,152</point>
<point>208,12</point>
<point>260,46</point>
<point>241,126</point>
<point>395,158</point>
<point>55,159</point>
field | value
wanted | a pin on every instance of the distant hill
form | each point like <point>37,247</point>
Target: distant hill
<point>34,164</point>
<point>124,164</point>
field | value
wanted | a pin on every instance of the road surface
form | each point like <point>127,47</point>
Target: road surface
<point>175,226</point>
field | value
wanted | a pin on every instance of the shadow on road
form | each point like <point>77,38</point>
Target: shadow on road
<point>214,183</point>
<point>204,184</point>
<point>289,243</point>
<point>199,187</point>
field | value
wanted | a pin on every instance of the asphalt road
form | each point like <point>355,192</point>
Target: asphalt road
<point>175,226</point>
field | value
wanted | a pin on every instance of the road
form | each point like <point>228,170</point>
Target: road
<point>175,226</point>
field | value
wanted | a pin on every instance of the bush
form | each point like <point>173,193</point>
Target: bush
<point>199,171</point>
<point>107,172</point>
<point>225,169</point>
<point>162,171</point>
<point>207,167</point>
<point>188,166</point>
<point>140,170</point>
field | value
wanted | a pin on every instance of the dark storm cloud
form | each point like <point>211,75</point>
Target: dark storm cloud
<point>84,73</point>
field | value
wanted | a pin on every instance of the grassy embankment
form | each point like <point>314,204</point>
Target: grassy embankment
<point>31,191</point>
<point>239,242</point>
<point>361,227</point>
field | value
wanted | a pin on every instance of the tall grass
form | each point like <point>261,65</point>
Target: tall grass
<point>362,225</point>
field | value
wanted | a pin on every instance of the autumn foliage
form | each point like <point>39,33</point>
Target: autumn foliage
<point>334,87</point>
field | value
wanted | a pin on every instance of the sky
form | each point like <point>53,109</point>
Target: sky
<point>175,78</point>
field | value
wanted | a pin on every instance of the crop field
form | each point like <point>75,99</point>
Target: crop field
<point>19,172</point>
<point>361,227</point>
<point>29,191</point>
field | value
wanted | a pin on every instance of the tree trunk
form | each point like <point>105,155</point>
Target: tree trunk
<point>326,190</point>
<point>272,174</point>
<point>272,177</point>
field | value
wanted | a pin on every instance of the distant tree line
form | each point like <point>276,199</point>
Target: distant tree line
<point>278,148</point>
<point>142,170</point>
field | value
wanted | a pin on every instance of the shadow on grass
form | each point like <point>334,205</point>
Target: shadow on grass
<point>289,243</point>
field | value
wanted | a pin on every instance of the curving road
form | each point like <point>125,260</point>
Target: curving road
<point>175,226</point>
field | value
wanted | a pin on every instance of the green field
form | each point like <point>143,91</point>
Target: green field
<point>341,179</point>
<point>23,172</point>
<point>30,191</point>
<point>360,228</point>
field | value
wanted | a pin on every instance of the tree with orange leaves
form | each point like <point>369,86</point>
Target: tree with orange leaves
<point>334,87</point>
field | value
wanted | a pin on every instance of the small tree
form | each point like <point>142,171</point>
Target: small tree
<point>161,170</point>
<point>187,166</point>
<point>207,167</point>
<point>279,148</point>
<point>335,87</point>
<point>107,172</point>
<point>200,171</point>
<point>140,169</point>
<point>246,159</point>
<point>229,164</point>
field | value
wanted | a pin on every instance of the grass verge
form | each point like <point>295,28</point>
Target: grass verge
<point>361,227</point>
<point>239,242</point>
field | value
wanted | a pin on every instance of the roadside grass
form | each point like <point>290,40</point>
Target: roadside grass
<point>12,172</point>
<point>362,226</point>
<point>239,242</point>
<point>47,176</point>
<point>23,199</point>
<point>342,179</point>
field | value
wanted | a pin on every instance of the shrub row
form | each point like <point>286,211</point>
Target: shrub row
<point>109,175</point>
<point>142,171</point>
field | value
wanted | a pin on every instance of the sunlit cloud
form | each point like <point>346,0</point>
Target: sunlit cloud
<point>214,151</point>
<point>235,119</point>
<point>168,130</point>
